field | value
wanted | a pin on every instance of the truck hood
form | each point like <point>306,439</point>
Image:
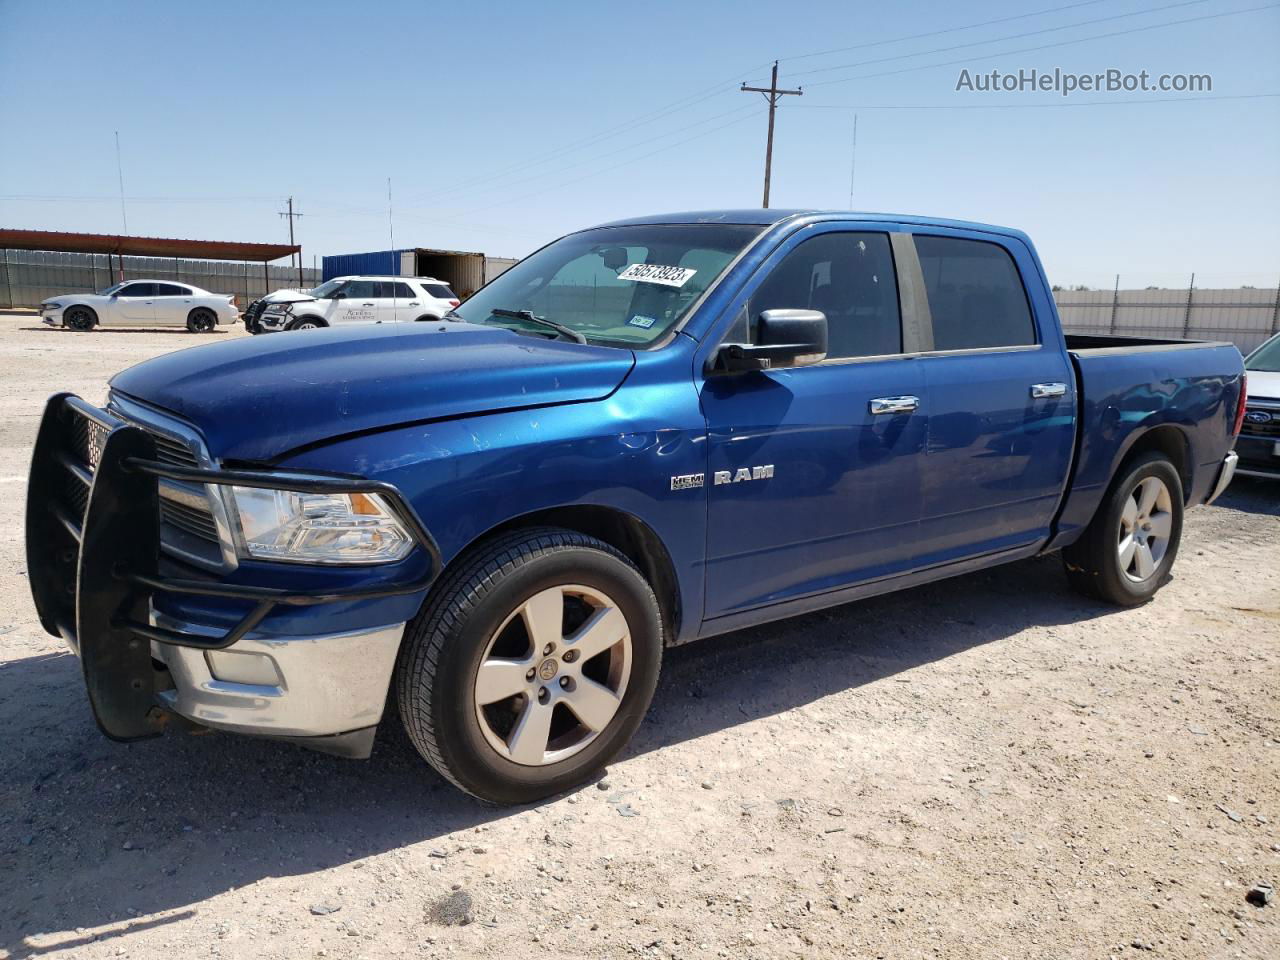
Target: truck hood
<point>1263,384</point>
<point>258,398</point>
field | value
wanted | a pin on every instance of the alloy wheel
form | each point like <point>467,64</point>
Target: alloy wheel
<point>553,675</point>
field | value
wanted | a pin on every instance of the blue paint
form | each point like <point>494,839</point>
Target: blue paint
<point>480,427</point>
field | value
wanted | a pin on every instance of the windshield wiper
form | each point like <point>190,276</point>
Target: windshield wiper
<point>532,317</point>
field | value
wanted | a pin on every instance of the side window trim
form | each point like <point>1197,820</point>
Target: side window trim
<point>917,323</point>
<point>926,314</point>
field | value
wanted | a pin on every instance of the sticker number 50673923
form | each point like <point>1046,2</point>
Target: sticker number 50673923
<point>657,273</point>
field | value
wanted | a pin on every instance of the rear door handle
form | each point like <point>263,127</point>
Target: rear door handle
<point>1040,391</point>
<point>889,405</point>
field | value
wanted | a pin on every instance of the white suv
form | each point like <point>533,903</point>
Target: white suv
<point>344,300</point>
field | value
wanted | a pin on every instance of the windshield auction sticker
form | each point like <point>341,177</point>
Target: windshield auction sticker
<point>657,273</point>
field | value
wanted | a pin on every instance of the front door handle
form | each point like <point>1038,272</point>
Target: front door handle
<point>1040,391</point>
<point>883,405</point>
<point>366,304</point>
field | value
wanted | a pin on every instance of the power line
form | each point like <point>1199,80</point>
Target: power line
<point>935,33</point>
<point>1011,36</point>
<point>1027,106</point>
<point>1045,46</point>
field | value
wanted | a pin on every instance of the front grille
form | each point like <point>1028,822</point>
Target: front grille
<point>193,520</point>
<point>1269,429</point>
<point>188,527</point>
<point>171,451</point>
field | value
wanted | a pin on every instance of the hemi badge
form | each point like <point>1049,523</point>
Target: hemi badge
<point>688,481</point>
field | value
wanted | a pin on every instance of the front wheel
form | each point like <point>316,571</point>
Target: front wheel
<point>79,318</point>
<point>305,323</point>
<point>1130,545</point>
<point>531,666</point>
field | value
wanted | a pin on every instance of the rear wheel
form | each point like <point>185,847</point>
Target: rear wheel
<point>532,665</point>
<point>201,320</point>
<point>79,318</point>
<point>1129,547</point>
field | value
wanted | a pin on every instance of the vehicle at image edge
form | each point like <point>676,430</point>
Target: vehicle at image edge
<point>645,433</point>
<point>142,303</point>
<point>1259,442</point>
<point>347,300</point>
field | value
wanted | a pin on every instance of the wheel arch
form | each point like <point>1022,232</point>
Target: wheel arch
<point>210,310</point>
<point>1168,439</point>
<point>623,531</point>
<point>81,305</point>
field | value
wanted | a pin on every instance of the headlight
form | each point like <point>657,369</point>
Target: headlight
<point>46,307</point>
<point>318,527</point>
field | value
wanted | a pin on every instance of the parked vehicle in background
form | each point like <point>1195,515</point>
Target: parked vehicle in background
<point>1259,442</point>
<point>252,315</point>
<point>142,303</point>
<point>464,272</point>
<point>645,433</point>
<point>347,300</point>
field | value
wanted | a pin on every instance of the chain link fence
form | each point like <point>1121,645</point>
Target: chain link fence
<point>29,276</point>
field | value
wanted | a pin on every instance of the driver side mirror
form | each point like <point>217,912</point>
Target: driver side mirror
<point>784,338</point>
<point>338,296</point>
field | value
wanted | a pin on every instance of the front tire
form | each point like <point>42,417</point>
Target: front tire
<point>80,319</point>
<point>1129,547</point>
<point>531,666</point>
<point>307,323</point>
<point>201,320</point>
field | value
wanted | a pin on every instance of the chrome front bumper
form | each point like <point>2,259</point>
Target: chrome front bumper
<point>1224,478</point>
<point>281,686</point>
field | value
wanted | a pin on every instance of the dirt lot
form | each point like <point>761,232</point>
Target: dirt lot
<point>986,767</point>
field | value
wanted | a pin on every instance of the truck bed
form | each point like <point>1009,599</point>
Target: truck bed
<point>1128,385</point>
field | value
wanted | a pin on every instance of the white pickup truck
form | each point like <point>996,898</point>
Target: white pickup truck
<point>346,300</point>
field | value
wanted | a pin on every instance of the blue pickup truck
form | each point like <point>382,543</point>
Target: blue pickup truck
<point>645,433</point>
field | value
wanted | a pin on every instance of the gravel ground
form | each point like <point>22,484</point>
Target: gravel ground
<point>985,767</point>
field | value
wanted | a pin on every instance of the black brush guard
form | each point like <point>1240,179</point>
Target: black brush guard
<point>94,572</point>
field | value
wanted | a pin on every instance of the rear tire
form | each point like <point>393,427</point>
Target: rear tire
<point>426,319</point>
<point>1129,547</point>
<point>80,319</point>
<point>521,641</point>
<point>201,320</point>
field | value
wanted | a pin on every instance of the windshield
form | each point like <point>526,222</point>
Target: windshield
<point>1266,359</point>
<point>625,286</point>
<point>322,292</point>
<point>111,289</point>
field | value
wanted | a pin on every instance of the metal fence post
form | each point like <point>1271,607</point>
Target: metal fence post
<point>1115,304</point>
<point>1275,312</point>
<point>1186,320</point>
<point>8,290</point>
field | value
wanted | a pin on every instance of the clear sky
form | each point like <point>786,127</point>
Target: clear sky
<point>503,125</point>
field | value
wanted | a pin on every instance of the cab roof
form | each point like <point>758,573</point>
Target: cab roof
<point>770,217</point>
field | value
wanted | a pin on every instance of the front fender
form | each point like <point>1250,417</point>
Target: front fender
<point>467,476</point>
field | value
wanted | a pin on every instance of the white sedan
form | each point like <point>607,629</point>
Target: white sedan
<point>142,303</point>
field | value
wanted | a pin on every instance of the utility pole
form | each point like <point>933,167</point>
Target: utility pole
<point>772,93</point>
<point>291,215</point>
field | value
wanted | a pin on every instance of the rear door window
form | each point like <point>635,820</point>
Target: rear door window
<point>171,290</point>
<point>976,296</point>
<point>403,291</point>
